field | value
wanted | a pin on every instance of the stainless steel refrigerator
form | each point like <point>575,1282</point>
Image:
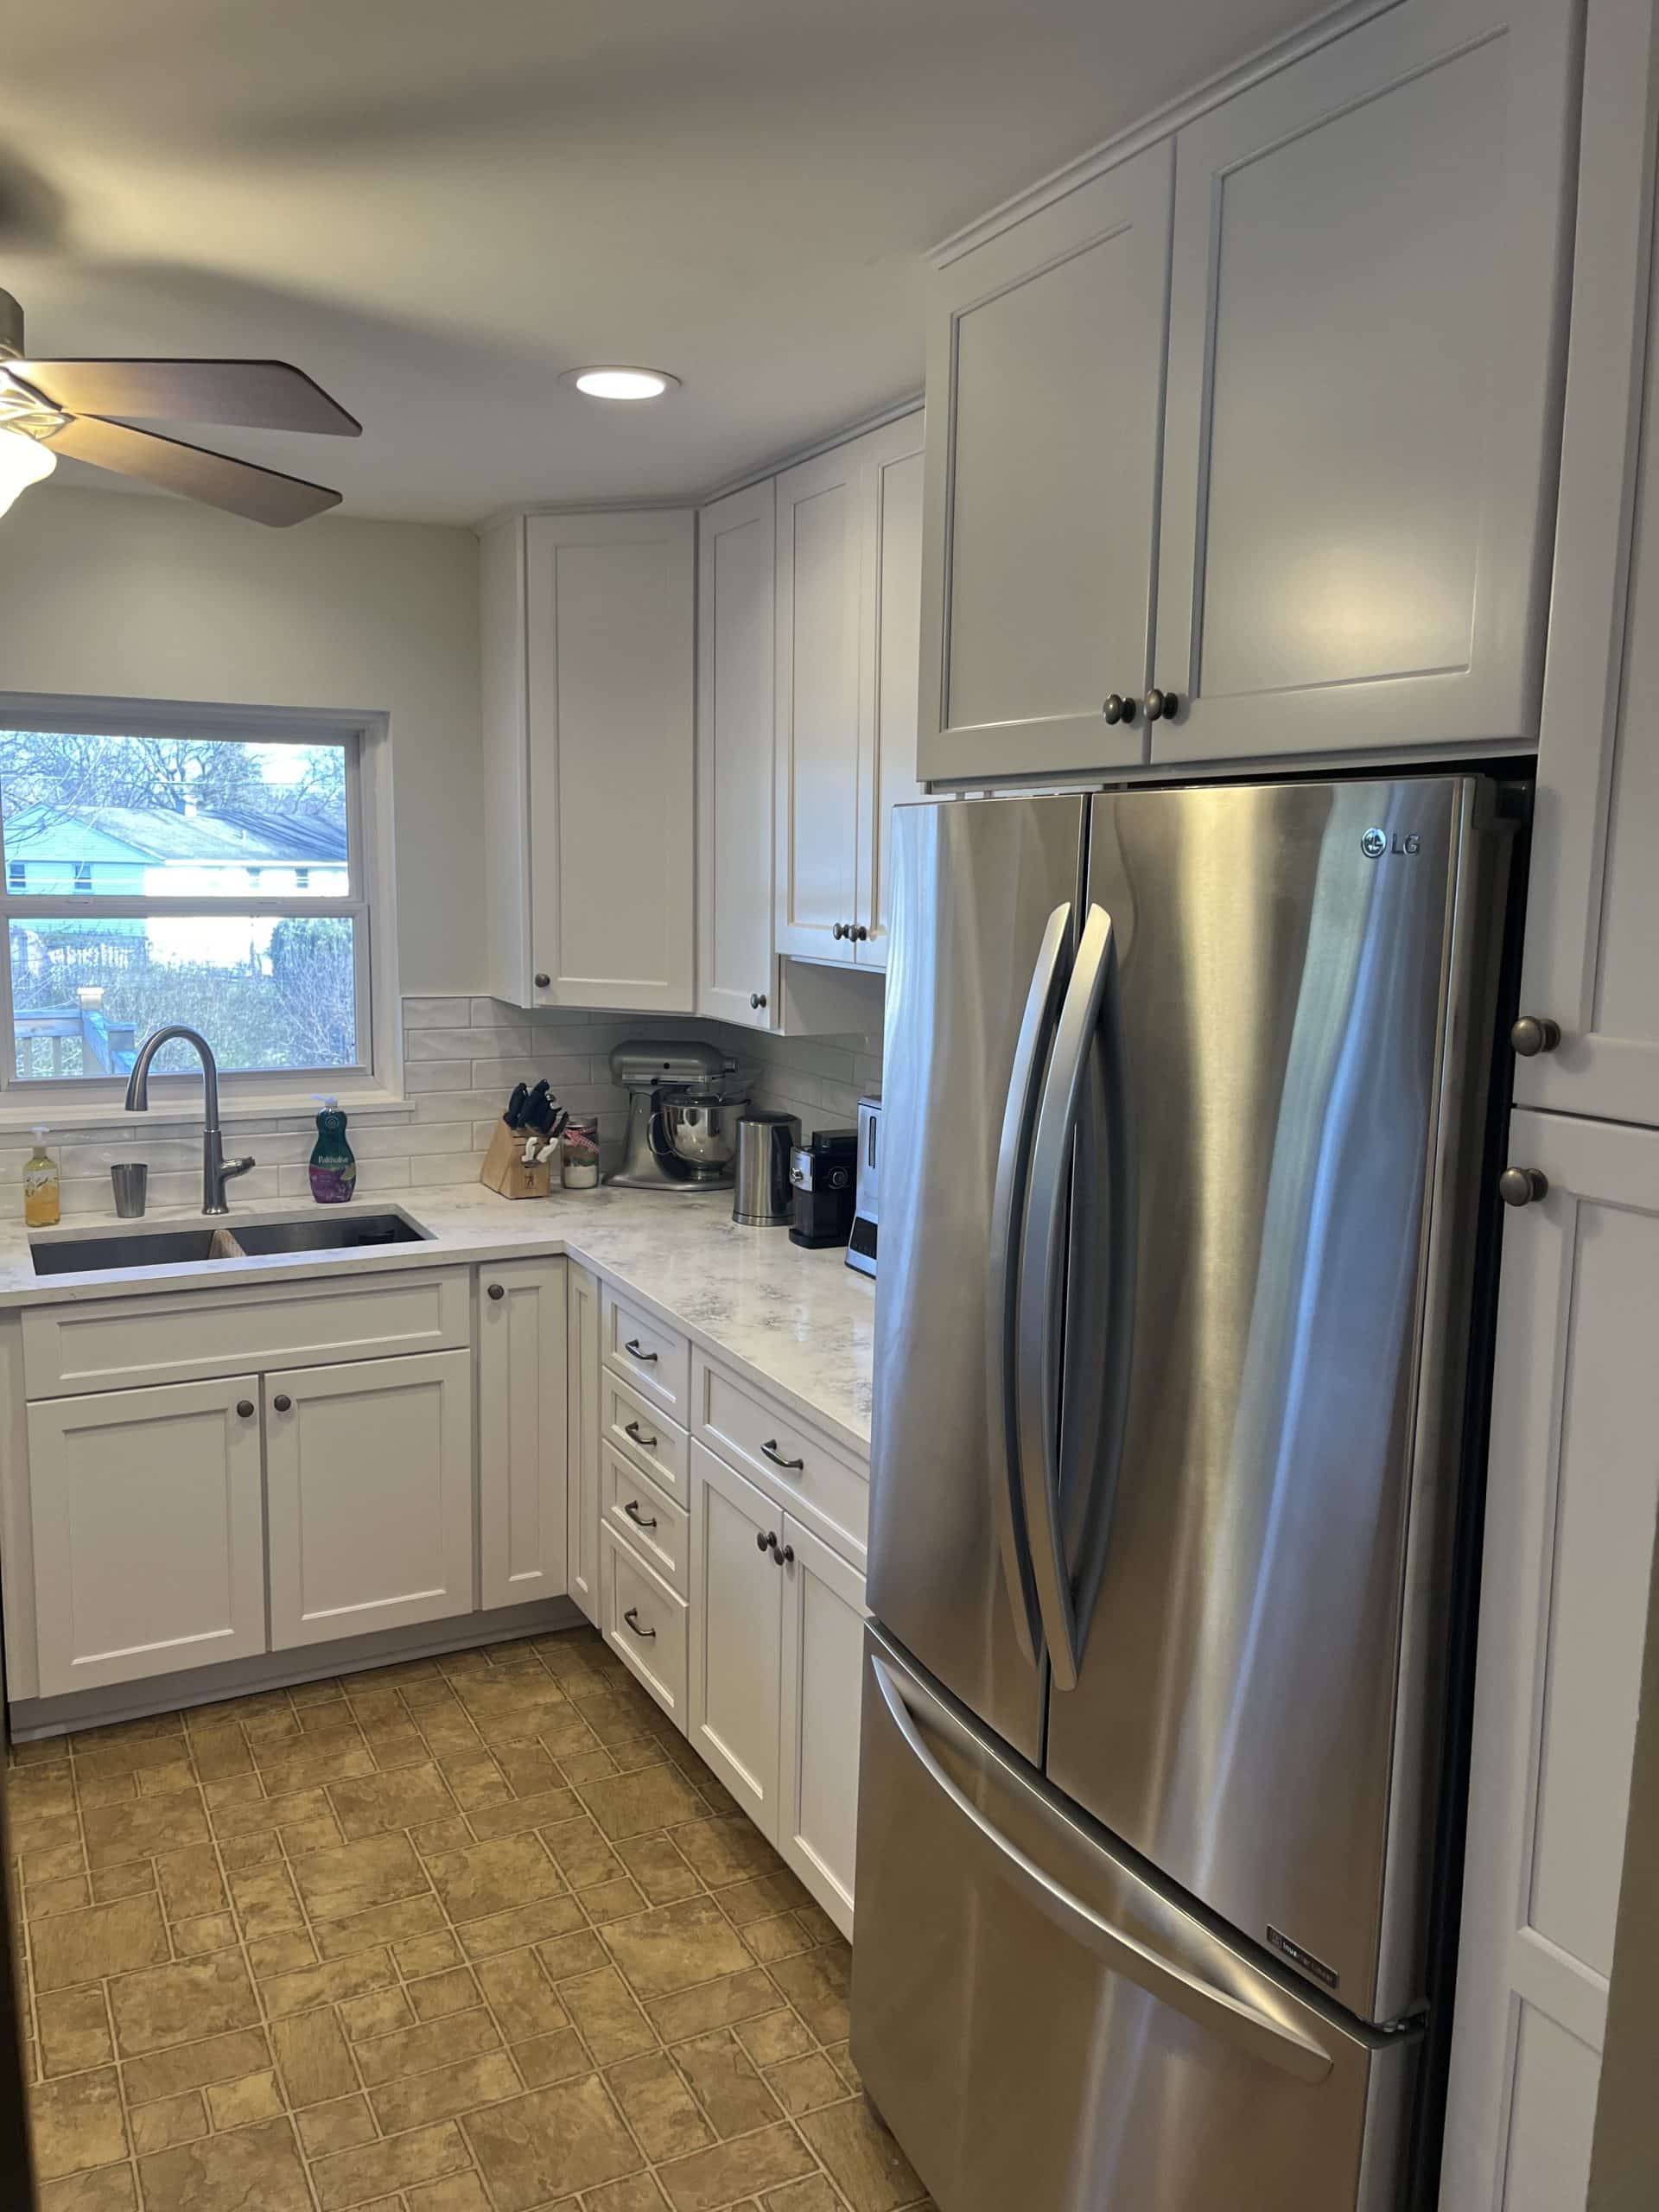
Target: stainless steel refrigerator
<point>1185,1115</point>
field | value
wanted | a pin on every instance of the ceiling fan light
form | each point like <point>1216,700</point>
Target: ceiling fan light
<point>614,382</point>
<point>24,460</point>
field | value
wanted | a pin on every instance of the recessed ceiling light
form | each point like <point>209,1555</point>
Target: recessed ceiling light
<point>616,383</point>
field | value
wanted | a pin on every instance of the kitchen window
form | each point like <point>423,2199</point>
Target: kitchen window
<point>212,875</point>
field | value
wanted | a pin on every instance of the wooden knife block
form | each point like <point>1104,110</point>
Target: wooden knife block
<point>504,1168</point>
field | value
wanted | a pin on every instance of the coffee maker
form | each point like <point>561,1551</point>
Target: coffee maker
<point>823,1171</point>
<point>684,1098</point>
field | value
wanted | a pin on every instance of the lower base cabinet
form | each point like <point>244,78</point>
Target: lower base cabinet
<point>824,1659</point>
<point>369,1496</point>
<point>776,1660</point>
<point>523,1435</point>
<point>645,1623</point>
<point>149,1532</point>
<point>583,1383</point>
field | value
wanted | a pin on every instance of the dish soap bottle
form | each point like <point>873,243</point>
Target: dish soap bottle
<point>334,1170</point>
<point>42,1201</point>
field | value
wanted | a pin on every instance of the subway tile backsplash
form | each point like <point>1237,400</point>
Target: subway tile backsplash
<point>462,1056</point>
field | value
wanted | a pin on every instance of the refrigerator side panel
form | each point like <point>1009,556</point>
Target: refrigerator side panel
<point>1045,2025</point>
<point>976,886</point>
<point>1272,1584</point>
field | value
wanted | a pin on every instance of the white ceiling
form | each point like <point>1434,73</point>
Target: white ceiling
<point>435,206</point>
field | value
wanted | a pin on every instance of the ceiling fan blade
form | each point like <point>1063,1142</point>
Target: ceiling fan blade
<point>261,494</point>
<point>255,395</point>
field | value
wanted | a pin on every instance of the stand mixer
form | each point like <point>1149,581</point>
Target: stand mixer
<point>684,1098</point>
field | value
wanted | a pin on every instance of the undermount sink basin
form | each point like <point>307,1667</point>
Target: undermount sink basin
<point>94,1250</point>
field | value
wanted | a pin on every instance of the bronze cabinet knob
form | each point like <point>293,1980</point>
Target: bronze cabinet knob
<point>1533,1035</point>
<point>1522,1187</point>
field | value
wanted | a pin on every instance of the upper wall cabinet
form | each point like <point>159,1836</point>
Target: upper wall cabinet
<point>1359,398</point>
<point>1044,384</point>
<point>849,550</point>
<point>1364,390</point>
<point>736,562</point>
<point>588,711</point>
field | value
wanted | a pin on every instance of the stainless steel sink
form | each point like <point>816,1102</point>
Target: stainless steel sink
<point>95,1249</point>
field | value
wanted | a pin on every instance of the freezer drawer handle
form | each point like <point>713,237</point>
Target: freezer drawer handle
<point>1013,1161</point>
<point>1276,2041</point>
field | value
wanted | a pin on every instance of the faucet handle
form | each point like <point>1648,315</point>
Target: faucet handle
<point>237,1167</point>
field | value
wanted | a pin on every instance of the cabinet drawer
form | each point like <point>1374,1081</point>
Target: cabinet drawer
<point>644,1434</point>
<point>787,1459</point>
<point>655,1359</point>
<point>644,1622</point>
<point>116,1343</point>
<point>648,1523</point>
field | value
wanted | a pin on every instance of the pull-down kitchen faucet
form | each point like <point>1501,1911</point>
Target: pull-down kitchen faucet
<point>216,1170</point>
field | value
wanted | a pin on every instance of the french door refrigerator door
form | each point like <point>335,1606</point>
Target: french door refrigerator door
<point>1045,2027</point>
<point>984,900</point>
<point>1299,1026</point>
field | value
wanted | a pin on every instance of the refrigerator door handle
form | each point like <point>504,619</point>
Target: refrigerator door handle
<point>1216,2010</point>
<point>1038,1317</point>
<point>1013,1159</point>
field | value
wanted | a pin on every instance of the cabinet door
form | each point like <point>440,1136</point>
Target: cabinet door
<point>1592,902</point>
<point>737,1630</point>
<point>583,1386</point>
<point>823,1659</point>
<point>1044,382</point>
<point>819,542</point>
<point>1364,390</point>
<point>1571,1501</point>
<point>610,702</point>
<point>889,659</point>
<point>369,1495</point>
<point>736,616</point>
<point>149,1545</point>
<point>522,1433</point>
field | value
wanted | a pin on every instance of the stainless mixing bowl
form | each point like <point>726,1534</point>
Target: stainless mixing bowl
<point>704,1132</point>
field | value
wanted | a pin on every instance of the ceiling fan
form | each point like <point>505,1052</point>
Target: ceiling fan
<point>48,408</point>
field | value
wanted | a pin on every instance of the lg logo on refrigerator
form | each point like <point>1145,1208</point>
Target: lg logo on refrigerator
<point>1376,842</point>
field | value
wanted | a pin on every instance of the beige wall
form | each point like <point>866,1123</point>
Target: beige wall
<point>112,594</point>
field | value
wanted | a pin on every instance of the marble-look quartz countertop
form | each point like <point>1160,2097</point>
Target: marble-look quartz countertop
<point>799,1323</point>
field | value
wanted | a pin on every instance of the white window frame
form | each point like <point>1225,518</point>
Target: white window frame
<point>377,1078</point>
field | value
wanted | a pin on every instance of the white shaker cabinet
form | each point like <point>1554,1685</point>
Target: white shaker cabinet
<point>522,1432</point>
<point>589,652</point>
<point>1571,1492</point>
<point>736,564</point>
<point>737,1635</point>
<point>149,1532</point>
<point>1364,390</point>
<point>822,1686</point>
<point>369,1496</point>
<point>584,1385</point>
<point>817,683</point>
<point>1593,901</point>
<point>848,597</point>
<point>1045,383</point>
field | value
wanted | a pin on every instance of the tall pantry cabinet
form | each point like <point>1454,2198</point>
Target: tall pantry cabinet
<point>1573,1471</point>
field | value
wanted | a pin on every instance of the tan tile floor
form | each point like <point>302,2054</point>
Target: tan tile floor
<point>473,1934</point>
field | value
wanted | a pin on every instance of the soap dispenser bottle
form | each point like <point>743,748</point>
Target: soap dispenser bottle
<point>334,1169</point>
<point>42,1199</point>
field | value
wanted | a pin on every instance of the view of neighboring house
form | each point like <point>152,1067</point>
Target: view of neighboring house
<point>125,852</point>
